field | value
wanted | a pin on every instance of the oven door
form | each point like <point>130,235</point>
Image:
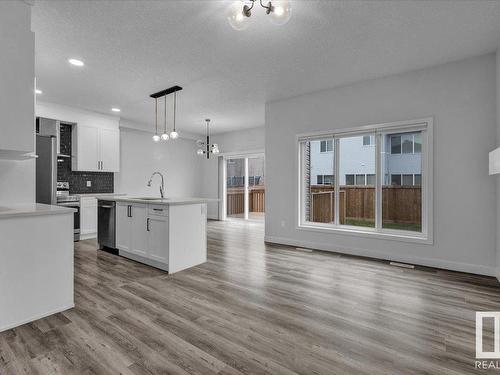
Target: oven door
<point>76,218</point>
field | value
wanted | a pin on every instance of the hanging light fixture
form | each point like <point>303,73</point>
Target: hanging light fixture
<point>164,136</point>
<point>174,134</point>
<point>205,148</point>
<point>163,94</point>
<point>156,137</point>
<point>238,14</point>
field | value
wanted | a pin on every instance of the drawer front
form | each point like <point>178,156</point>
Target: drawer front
<point>158,209</point>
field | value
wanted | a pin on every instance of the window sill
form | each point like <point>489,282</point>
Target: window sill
<point>402,236</point>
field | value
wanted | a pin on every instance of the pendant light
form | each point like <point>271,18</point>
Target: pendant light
<point>164,136</point>
<point>205,147</point>
<point>174,134</point>
<point>156,137</point>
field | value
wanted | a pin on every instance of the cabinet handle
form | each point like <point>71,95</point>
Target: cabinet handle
<point>102,165</point>
<point>129,211</point>
<point>158,209</point>
<point>147,224</point>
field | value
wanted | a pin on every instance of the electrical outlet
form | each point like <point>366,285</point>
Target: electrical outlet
<point>89,183</point>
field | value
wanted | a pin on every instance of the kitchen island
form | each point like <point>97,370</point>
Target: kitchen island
<point>36,262</point>
<point>169,233</point>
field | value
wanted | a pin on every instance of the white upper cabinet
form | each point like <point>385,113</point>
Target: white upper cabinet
<point>110,150</point>
<point>95,149</point>
<point>17,77</point>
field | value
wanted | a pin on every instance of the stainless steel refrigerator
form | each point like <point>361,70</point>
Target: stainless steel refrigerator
<point>46,169</point>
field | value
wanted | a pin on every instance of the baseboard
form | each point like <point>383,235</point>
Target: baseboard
<point>88,236</point>
<point>36,317</point>
<point>435,263</point>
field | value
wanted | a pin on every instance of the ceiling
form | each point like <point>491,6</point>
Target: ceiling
<point>134,48</point>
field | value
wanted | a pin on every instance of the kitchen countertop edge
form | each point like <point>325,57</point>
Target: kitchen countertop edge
<point>33,209</point>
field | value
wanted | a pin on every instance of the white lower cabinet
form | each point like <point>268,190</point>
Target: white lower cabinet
<point>141,236</point>
<point>88,217</point>
<point>169,237</point>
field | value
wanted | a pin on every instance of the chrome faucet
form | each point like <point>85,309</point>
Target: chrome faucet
<point>162,187</point>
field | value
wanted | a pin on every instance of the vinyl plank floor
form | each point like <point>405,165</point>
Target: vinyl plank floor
<point>255,308</point>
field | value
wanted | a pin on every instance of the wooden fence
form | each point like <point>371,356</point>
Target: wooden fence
<point>400,204</point>
<point>236,200</point>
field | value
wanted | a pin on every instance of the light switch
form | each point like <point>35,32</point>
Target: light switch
<point>89,183</point>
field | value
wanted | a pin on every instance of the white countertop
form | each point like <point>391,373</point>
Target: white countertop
<point>166,201</point>
<point>33,209</point>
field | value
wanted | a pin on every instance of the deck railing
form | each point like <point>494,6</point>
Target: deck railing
<point>235,201</point>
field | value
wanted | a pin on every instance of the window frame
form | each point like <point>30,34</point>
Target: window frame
<point>425,125</point>
<point>326,146</point>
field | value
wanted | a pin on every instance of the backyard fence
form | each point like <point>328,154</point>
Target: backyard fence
<point>400,204</point>
<point>236,200</point>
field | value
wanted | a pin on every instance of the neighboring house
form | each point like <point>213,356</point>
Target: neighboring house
<point>236,172</point>
<point>401,161</point>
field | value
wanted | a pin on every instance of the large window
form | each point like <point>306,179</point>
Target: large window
<point>384,189</point>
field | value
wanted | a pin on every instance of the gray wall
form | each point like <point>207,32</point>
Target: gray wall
<point>461,98</point>
<point>497,178</point>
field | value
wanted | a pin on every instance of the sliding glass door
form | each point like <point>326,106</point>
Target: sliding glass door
<point>245,187</point>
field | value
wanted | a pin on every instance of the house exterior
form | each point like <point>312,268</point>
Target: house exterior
<point>401,161</point>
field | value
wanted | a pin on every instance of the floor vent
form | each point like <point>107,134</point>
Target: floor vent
<point>403,265</point>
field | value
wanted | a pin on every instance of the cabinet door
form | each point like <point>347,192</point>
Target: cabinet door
<point>123,227</point>
<point>139,233</point>
<point>158,238</point>
<point>87,150</point>
<point>109,147</point>
<point>88,216</point>
<point>17,72</point>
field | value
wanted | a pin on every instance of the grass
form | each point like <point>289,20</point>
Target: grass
<point>371,224</point>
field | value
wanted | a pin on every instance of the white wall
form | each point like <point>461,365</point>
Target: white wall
<point>140,157</point>
<point>243,141</point>
<point>461,98</point>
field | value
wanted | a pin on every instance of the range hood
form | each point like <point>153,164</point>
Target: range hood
<point>50,127</point>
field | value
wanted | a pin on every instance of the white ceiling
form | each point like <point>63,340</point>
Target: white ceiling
<point>134,48</point>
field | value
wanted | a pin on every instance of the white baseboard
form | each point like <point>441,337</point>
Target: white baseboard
<point>36,317</point>
<point>436,263</point>
<point>87,236</point>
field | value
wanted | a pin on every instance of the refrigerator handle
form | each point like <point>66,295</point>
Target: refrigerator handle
<point>53,172</point>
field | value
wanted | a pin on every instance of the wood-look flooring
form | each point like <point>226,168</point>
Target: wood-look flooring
<point>255,309</point>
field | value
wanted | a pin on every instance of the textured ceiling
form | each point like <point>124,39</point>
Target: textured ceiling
<point>134,48</point>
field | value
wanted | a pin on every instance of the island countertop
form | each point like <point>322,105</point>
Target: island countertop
<point>152,200</point>
<point>33,209</point>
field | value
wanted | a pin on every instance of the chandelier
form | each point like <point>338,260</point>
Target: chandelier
<point>205,148</point>
<point>165,136</point>
<point>239,12</point>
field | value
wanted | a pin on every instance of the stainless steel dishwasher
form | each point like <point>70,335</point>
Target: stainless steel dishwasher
<point>106,224</point>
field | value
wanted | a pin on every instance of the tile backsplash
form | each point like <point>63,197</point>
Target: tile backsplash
<point>101,182</point>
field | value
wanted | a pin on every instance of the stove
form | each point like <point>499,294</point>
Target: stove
<point>72,201</point>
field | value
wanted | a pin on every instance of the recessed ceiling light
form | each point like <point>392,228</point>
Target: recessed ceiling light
<point>116,109</point>
<point>38,91</point>
<point>76,62</point>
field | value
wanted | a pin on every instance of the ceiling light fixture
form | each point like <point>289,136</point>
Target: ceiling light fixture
<point>238,14</point>
<point>38,91</point>
<point>174,134</point>
<point>76,62</point>
<point>165,136</point>
<point>156,137</point>
<point>116,109</point>
<point>205,147</point>
<point>163,94</point>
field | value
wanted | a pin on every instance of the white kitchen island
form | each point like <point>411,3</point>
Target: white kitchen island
<point>170,234</point>
<point>36,262</point>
